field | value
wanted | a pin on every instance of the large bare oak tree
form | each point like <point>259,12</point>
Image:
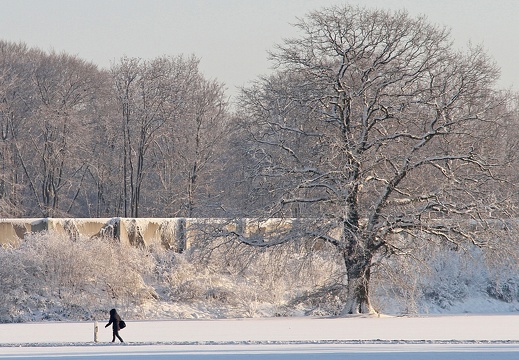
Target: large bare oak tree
<point>373,129</point>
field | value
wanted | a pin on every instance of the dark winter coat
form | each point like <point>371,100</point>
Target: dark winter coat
<point>114,320</point>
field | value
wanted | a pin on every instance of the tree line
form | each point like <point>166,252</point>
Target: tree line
<point>144,138</point>
<point>371,123</point>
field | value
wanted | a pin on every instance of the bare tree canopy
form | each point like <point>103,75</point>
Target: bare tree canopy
<point>173,124</point>
<point>143,139</point>
<point>375,124</point>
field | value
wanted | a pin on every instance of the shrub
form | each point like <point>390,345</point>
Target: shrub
<point>52,276</point>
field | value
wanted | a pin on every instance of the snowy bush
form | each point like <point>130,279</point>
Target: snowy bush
<point>506,290</point>
<point>242,281</point>
<point>443,280</point>
<point>51,276</point>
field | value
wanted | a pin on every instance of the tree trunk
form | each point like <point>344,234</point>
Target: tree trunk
<point>358,269</point>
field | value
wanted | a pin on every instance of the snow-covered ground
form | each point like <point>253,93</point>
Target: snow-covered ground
<point>423,337</point>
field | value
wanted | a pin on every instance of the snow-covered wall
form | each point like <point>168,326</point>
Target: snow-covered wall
<point>13,230</point>
<point>172,233</point>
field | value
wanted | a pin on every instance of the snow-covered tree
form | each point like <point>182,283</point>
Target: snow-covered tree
<point>376,131</point>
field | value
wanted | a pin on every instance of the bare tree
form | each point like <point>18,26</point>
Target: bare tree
<point>45,119</point>
<point>150,95</point>
<point>373,130</point>
<point>60,131</point>
<point>15,106</point>
<point>197,143</point>
<point>103,185</point>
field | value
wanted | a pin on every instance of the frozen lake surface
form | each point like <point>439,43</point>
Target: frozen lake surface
<point>423,337</point>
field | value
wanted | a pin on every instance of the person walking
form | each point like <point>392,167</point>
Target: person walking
<point>115,319</point>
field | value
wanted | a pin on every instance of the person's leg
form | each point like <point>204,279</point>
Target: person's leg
<point>116,333</point>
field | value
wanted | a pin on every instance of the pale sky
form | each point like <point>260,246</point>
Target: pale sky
<point>231,37</point>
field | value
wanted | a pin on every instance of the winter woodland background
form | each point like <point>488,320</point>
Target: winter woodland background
<point>156,138</point>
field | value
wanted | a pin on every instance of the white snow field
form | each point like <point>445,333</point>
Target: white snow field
<point>421,337</point>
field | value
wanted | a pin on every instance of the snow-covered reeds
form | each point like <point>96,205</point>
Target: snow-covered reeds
<point>54,277</point>
<point>243,281</point>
